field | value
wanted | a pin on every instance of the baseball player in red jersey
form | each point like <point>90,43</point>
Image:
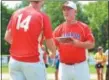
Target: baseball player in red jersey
<point>73,64</point>
<point>24,33</point>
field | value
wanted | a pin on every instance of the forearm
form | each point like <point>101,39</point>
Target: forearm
<point>51,46</point>
<point>87,44</point>
<point>9,41</point>
<point>8,37</point>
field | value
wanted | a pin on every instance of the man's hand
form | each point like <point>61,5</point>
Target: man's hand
<point>51,47</point>
<point>81,44</point>
<point>64,39</point>
<point>52,55</point>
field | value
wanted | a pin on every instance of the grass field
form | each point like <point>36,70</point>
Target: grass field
<point>49,70</point>
<point>52,69</point>
<point>5,70</point>
<point>93,70</point>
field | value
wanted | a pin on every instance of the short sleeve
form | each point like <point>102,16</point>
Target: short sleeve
<point>47,27</point>
<point>88,35</point>
<point>57,33</point>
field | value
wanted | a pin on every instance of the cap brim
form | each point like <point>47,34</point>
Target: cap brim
<point>66,6</point>
<point>34,0</point>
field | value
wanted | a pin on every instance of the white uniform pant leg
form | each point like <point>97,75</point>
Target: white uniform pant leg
<point>34,71</point>
<point>15,72</point>
<point>66,72</point>
<point>82,71</point>
<point>26,71</point>
<point>79,71</point>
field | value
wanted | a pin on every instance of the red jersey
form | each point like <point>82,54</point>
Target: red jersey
<point>28,26</point>
<point>68,52</point>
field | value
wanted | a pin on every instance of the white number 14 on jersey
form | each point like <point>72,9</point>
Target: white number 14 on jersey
<point>24,24</point>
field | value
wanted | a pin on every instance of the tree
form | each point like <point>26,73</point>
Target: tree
<point>6,14</point>
<point>98,19</point>
<point>53,9</point>
<point>23,4</point>
<point>80,14</point>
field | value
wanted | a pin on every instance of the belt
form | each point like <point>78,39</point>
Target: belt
<point>69,63</point>
<point>73,63</point>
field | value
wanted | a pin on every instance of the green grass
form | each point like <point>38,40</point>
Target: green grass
<point>49,69</point>
<point>4,69</point>
<point>93,70</point>
<point>52,69</point>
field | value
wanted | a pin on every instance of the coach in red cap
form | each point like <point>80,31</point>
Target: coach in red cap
<point>24,33</point>
<point>72,38</point>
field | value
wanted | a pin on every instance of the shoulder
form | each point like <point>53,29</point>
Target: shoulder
<point>19,10</point>
<point>15,13</point>
<point>59,27</point>
<point>44,15</point>
<point>85,28</point>
<point>84,25</point>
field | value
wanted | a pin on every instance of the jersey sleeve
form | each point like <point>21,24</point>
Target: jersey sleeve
<point>57,33</point>
<point>9,26</point>
<point>88,35</point>
<point>47,27</point>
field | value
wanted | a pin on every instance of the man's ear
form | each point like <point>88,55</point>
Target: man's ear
<point>76,11</point>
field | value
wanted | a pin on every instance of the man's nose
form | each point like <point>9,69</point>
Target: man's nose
<point>65,10</point>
